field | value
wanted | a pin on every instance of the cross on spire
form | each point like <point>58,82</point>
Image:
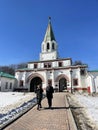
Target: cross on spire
<point>49,19</point>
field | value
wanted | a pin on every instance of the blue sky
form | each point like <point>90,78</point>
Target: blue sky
<point>23,25</point>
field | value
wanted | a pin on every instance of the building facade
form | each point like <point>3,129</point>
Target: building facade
<point>51,68</point>
<point>7,82</point>
<point>92,81</point>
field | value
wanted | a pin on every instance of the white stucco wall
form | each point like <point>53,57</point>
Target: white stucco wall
<point>93,81</point>
<point>5,80</point>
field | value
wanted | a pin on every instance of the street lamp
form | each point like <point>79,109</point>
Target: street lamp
<point>0,79</point>
<point>71,80</point>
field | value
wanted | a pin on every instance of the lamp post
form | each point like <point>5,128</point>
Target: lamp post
<point>71,80</point>
<point>0,79</point>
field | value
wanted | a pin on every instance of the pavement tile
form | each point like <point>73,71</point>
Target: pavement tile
<point>45,119</point>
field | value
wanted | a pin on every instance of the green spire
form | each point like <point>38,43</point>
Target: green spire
<point>49,36</point>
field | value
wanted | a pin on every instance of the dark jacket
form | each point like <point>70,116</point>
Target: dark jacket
<point>39,93</point>
<point>49,92</point>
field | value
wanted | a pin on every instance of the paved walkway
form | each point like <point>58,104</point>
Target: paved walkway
<point>45,119</point>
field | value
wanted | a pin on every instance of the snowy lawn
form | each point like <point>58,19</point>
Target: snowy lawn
<point>91,103</point>
<point>86,109</point>
<point>11,100</point>
<point>13,105</point>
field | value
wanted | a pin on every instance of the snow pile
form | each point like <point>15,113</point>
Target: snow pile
<point>91,105</point>
<point>10,100</point>
<point>13,105</point>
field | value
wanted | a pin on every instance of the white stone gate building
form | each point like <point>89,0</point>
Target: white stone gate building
<point>51,68</point>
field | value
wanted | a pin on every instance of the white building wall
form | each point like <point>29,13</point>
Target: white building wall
<point>66,63</point>
<point>54,64</point>
<point>96,83</point>
<point>7,88</point>
<point>76,75</point>
<point>30,65</point>
<point>89,82</point>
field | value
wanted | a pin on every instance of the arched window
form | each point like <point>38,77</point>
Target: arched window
<point>48,47</point>
<point>53,46</point>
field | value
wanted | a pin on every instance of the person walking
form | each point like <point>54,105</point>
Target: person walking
<point>49,94</point>
<point>39,95</point>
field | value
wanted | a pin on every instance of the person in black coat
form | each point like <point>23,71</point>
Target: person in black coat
<point>39,95</point>
<point>49,94</point>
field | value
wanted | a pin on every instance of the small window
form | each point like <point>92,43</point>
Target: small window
<point>6,85</point>
<point>82,71</point>
<point>35,66</point>
<point>60,64</point>
<point>47,65</point>
<point>75,82</point>
<point>21,83</point>
<point>10,85</point>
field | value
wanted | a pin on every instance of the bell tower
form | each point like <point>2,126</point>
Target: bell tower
<point>49,45</point>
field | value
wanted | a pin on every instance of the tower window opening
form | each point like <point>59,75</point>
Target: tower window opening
<point>53,46</point>
<point>48,47</point>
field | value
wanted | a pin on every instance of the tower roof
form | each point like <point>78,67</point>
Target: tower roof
<point>49,36</point>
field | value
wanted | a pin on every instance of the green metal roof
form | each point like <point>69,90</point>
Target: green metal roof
<point>93,71</point>
<point>24,69</point>
<point>49,36</point>
<point>2,74</point>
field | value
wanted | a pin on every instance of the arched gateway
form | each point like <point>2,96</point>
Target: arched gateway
<point>62,84</point>
<point>62,81</point>
<point>34,80</point>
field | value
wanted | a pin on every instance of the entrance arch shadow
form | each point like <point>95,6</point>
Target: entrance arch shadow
<point>62,80</point>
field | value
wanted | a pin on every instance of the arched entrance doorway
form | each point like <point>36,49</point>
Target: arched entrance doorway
<point>62,84</point>
<point>34,82</point>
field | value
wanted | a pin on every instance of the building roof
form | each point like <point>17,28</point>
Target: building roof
<point>49,36</point>
<point>93,71</point>
<point>59,59</point>
<point>2,74</point>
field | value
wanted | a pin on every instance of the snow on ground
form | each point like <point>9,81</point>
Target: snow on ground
<point>91,105</point>
<point>12,103</point>
<point>11,100</point>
